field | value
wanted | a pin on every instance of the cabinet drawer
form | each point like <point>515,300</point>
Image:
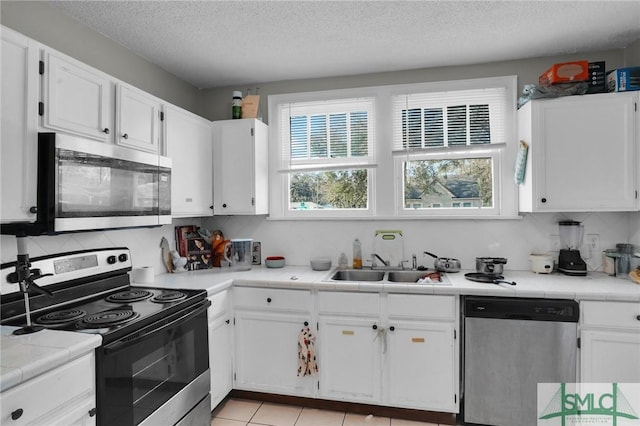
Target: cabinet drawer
<point>349,303</point>
<point>268,299</point>
<point>422,306</point>
<point>219,304</point>
<point>49,393</point>
<point>611,314</point>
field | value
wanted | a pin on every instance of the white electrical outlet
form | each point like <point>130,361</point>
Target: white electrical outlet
<point>554,242</point>
<point>593,245</point>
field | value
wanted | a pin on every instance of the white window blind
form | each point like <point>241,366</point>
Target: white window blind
<point>327,135</point>
<point>449,118</point>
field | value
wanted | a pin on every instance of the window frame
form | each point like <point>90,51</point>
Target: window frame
<point>493,151</point>
<point>385,185</point>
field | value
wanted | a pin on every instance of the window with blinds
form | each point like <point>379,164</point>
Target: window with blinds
<point>435,149</point>
<point>328,148</point>
<point>445,141</point>
<point>449,119</point>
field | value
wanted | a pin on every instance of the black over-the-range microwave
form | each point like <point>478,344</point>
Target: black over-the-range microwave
<point>89,185</point>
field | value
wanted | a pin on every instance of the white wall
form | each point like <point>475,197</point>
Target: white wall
<point>144,243</point>
<point>299,241</point>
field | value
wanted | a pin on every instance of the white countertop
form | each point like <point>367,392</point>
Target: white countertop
<point>26,356</point>
<point>595,286</point>
<point>29,355</point>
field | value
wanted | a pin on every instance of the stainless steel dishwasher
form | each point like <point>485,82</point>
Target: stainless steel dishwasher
<point>511,345</point>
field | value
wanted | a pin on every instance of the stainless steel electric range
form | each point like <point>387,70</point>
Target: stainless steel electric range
<point>153,365</point>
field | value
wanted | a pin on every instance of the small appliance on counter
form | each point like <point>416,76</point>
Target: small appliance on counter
<point>570,261</point>
<point>238,252</point>
<point>541,263</point>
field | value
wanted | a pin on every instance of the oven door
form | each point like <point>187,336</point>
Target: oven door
<point>156,375</point>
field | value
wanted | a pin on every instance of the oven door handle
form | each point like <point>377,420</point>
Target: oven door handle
<point>135,338</point>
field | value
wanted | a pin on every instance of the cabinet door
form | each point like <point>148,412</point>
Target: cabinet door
<point>78,99</point>
<point>189,145</point>
<point>19,126</point>
<point>609,356</point>
<point>138,119</point>
<point>349,358</point>
<point>220,359</point>
<point>584,151</point>
<point>421,365</point>
<point>267,353</point>
<point>240,167</point>
<point>62,396</point>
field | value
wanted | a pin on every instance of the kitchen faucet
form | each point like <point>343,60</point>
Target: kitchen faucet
<point>373,260</point>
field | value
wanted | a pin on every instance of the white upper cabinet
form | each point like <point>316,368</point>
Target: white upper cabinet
<point>81,100</point>
<point>138,119</point>
<point>240,167</point>
<point>189,145</point>
<point>582,153</point>
<point>77,99</point>
<point>19,126</point>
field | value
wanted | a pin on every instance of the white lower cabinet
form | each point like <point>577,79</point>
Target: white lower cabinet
<point>349,354</point>
<point>63,396</point>
<point>220,347</point>
<point>420,365</point>
<point>609,342</point>
<point>397,350</point>
<point>267,325</point>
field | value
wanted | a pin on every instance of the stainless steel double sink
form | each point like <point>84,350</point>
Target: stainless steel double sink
<point>372,275</point>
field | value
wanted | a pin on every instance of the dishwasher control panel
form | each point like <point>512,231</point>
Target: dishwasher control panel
<point>532,309</point>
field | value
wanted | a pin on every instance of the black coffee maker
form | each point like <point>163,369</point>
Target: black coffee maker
<point>570,261</point>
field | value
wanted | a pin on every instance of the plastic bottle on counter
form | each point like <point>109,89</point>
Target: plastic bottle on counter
<point>357,254</point>
<point>236,105</point>
<point>342,261</point>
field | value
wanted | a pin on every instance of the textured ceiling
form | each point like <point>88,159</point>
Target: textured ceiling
<point>222,43</point>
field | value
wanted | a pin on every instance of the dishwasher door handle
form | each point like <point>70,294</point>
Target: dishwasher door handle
<point>518,317</point>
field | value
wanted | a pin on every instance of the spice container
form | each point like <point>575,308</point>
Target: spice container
<point>236,105</point>
<point>609,261</point>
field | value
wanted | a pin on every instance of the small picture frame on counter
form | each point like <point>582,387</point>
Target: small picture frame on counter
<point>256,253</point>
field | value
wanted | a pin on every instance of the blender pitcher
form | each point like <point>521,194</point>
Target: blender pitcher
<point>239,254</point>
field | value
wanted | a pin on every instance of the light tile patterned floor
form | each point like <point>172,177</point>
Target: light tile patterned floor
<point>239,412</point>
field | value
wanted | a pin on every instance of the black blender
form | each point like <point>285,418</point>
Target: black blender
<point>569,260</point>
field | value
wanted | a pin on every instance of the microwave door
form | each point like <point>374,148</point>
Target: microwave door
<point>102,186</point>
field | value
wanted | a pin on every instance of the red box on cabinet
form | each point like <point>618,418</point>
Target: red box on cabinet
<point>565,72</point>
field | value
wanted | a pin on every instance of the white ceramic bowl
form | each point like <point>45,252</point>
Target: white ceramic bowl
<point>274,262</point>
<point>320,264</point>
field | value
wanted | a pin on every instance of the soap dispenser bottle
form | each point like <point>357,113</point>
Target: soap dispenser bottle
<point>357,254</point>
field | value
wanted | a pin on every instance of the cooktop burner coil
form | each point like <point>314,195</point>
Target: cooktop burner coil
<point>129,296</point>
<point>172,296</point>
<point>107,318</point>
<point>61,317</point>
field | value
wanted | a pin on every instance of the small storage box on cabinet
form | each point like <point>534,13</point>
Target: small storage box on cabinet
<point>272,298</point>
